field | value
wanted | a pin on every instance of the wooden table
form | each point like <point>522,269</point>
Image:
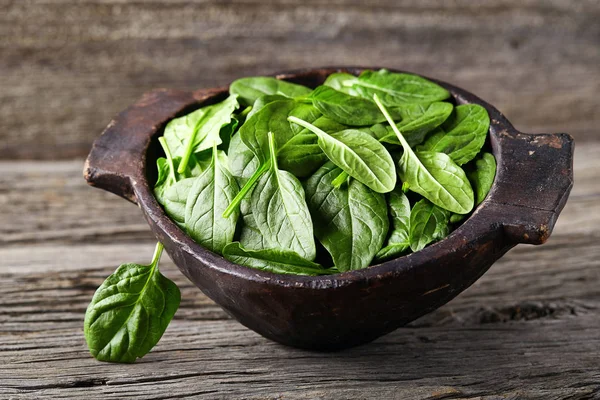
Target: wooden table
<point>529,328</point>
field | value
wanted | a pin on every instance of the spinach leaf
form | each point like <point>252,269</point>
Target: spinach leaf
<point>175,200</point>
<point>242,161</point>
<point>344,108</point>
<point>417,121</point>
<point>274,260</point>
<point>206,201</point>
<point>433,175</point>
<point>396,89</point>
<point>398,241</point>
<point>378,131</point>
<point>263,101</point>
<point>428,223</point>
<point>342,82</point>
<point>462,136</point>
<point>227,132</point>
<point>351,222</point>
<point>198,130</point>
<point>251,88</point>
<point>250,236</point>
<point>280,210</point>
<point>130,311</point>
<point>358,154</point>
<point>482,176</point>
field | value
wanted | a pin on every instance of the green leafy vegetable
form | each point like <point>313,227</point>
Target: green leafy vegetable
<point>358,154</point>
<point>342,82</point>
<point>462,135</point>
<point>274,260</point>
<point>482,176</point>
<point>130,312</point>
<point>280,210</point>
<point>207,199</point>
<point>433,175</point>
<point>396,89</point>
<point>398,242</point>
<point>263,101</point>
<point>250,89</point>
<point>351,222</point>
<point>428,223</point>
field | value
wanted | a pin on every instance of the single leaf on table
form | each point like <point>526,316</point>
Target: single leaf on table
<point>482,176</point>
<point>280,210</point>
<point>399,241</point>
<point>417,121</point>
<point>130,311</point>
<point>200,129</point>
<point>351,221</point>
<point>428,223</point>
<point>346,109</point>
<point>251,88</point>
<point>433,175</point>
<point>358,154</point>
<point>207,199</point>
<point>462,136</point>
<point>342,82</point>
<point>397,89</point>
<point>274,260</point>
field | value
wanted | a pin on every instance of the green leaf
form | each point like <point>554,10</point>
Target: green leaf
<point>200,129</point>
<point>280,210</point>
<point>242,161</point>
<point>433,175</point>
<point>358,154</point>
<point>417,121</point>
<point>396,89</point>
<point>428,223</point>
<point>251,88</point>
<point>263,101</point>
<point>398,241</point>
<point>250,236</point>
<point>342,82</point>
<point>130,311</point>
<point>482,176</point>
<point>351,222</point>
<point>207,199</point>
<point>168,175</point>
<point>344,108</point>
<point>226,133</point>
<point>274,260</point>
<point>175,200</point>
<point>462,136</point>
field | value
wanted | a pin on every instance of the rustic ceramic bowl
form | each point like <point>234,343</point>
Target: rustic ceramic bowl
<point>533,180</point>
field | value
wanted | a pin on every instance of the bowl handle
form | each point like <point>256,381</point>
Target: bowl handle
<point>118,157</point>
<point>533,181</point>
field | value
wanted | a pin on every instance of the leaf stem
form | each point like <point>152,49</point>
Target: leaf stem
<point>272,149</point>
<point>389,119</point>
<point>165,146</point>
<point>306,125</point>
<point>246,188</point>
<point>339,181</point>
<point>245,112</point>
<point>157,253</point>
<point>188,150</point>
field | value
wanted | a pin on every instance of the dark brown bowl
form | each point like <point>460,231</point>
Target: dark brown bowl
<point>533,180</point>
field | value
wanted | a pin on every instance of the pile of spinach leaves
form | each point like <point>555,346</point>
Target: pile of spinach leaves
<point>291,180</point>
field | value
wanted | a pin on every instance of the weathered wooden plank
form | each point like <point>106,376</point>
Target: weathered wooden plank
<point>68,66</point>
<point>526,330</point>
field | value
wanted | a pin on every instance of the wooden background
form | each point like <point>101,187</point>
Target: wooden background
<point>530,328</point>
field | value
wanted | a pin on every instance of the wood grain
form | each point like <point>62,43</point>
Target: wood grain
<point>68,66</point>
<point>527,330</point>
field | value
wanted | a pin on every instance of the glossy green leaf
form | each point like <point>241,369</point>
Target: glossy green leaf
<point>200,129</point>
<point>462,136</point>
<point>482,176</point>
<point>398,242</point>
<point>263,101</point>
<point>175,200</point>
<point>358,154</point>
<point>434,176</point>
<point>342,82</point>
<point>428,223</point>
<point>351,222</point>
<point>251,88</point>
<point>130,311</point>
<point>344,108</point>
<point>207,199</point>
<point>280,210</point>
<point>274,260</point>
<point>396,89</point>
<point>417,121</point>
